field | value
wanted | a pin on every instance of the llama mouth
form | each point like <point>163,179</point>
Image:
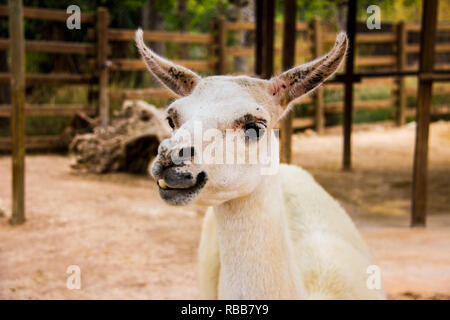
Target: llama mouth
<point>179,195</point>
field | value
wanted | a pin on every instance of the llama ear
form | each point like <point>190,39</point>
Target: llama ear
<point>178,79</point>
<point>300,80</point>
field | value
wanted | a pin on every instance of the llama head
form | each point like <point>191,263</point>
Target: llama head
<point>223,126</point>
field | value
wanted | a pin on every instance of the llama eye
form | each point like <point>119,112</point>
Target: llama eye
<point>253,131</point>
<point>170,121</point>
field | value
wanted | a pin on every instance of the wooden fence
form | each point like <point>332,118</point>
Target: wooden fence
<point>137,64</point>
<point>60,47</point>
<point>312,40</point>
<point>313,37</point>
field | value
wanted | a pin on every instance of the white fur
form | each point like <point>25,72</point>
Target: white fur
<point>329,256</point>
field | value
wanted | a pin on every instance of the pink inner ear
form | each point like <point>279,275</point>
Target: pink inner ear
<point>277,86</point>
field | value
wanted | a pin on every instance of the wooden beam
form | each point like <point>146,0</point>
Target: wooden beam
<point>376,61</point>
<point>435,77</point>
<point>48,14</point>
<point>52,78</point>
<point>240,51</point>
<point>435,110</point>
<point>401,64</point>
<point>102,65</point>
<point>436,90</point>
<point>268,33</point>
<point>244,25</point>
<point>416,27</point>
<point>373,82</point>
<point>240,26</point>
<point>138,64</point>
<point>259,37</point>
<point>64,47</point>
<point>160,36</point>
<point>264,38</point>
<point>426,64</point>
<point>48,109</point>
<point>415,48</point>
<point>365,38</point>
<point>150,93</point>
<point>222,42</point>
<point>349,73</point>
<point>375,37</point>
<point>17,111</point>
<point>290,10</point>
<point>318,95</point>
<point>34,142</point>
<point>305,50</point>
<point>301,123</point>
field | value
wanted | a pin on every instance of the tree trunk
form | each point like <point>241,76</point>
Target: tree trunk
<point>341,14</point>
<point>183,48</point>
<point>244,11</point>
<point>153,20</point>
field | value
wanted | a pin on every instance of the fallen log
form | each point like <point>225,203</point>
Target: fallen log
<point>128,144</point>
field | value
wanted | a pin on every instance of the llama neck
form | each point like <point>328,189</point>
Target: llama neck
<point>256,255</point>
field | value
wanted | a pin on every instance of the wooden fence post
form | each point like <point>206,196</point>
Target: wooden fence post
<point>17,52</point>
<point>318,97</point>
<point>401,64</point>
<point>349,79</point>
<point>213,48</point>
<point>265,15</point>
<point>259,38</point>
<point>286,128</point>
<point>102,64</point>
<point>289,37</point>
<point>426,65</point>
<point>222,43</point>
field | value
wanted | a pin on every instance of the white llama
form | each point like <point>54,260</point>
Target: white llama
<point>278,236</point>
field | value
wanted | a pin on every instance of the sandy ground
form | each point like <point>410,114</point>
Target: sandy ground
<point>130,245</point>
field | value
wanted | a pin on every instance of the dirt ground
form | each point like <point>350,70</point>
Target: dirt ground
<point>130,245</point>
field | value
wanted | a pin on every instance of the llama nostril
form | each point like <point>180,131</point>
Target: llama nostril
<point>174,177</point>
<point>180,156</point>
<point>201,177</point>
<point>187,176</point>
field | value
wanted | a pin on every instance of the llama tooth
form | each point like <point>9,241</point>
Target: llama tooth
<point>162,184</point>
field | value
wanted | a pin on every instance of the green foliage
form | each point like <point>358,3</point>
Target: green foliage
<point>46,126</point>
<point>307,10</point>
<point>202,12</point>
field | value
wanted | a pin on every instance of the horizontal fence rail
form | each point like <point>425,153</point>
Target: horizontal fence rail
<point>49,14</point>
<point>388,62</point>
<point>160,36</point>
<point>50,78</point>
<point>54,47</point>
<point>129,64</point>
<point>49,109</point>
<point>137,64</point>
<point>34,142</point>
